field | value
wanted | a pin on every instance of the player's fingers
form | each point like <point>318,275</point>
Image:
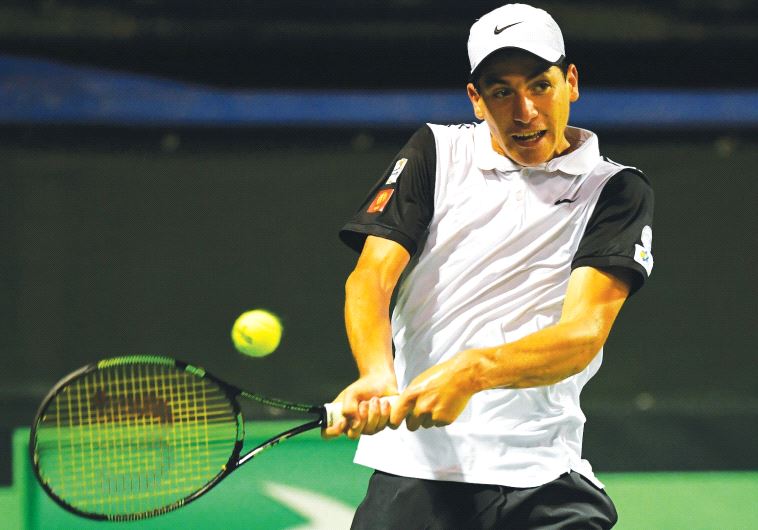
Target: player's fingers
<point>375,422</point>
<point>400,409</point>
<point>350,404</point>
<point>334,430</point>
<point>385,409</point>
<point>414,418</point>
<point>358,422</point>
<point>335,422</point>
<point>385,406</point>
<point>427,421</point>
<point>413,422</point>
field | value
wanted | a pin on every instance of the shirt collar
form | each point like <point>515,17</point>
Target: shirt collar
<point>486,157</point>
<point>580,160</point>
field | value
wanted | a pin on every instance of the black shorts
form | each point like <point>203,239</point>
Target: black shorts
<point>568,502</point>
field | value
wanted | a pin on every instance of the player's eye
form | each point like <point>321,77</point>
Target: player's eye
<point>541,87</point>
<point>502,92</point>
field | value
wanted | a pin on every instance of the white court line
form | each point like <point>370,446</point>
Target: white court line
<point>319,511</point>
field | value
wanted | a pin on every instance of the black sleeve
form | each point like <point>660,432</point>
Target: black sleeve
<point>619,235</point>
<point>400,205</point>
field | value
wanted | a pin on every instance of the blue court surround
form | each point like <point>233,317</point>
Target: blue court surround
<point>38,91</point>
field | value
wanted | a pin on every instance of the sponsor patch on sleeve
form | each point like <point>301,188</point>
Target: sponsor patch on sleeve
<point>399,166</point>
<point>644,257</point>
<point>381,200</point>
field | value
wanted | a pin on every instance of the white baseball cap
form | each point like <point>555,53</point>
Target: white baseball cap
<point>516,26</point>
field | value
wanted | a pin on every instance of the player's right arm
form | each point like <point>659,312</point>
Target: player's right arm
<point>386,230</point>
<point>368,292</point>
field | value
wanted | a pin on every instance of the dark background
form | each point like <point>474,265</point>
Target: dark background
<point>126,240</point>
<point>381,43</point>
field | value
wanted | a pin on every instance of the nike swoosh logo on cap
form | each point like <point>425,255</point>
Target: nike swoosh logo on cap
<point>498,31</point>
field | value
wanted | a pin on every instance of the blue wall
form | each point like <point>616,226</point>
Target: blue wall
<point>34,91</point>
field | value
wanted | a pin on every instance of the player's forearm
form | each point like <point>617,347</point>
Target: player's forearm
<point>541,358</point>
<point>367,302</point>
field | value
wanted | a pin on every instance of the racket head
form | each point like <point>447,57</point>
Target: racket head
<point>132,437</point>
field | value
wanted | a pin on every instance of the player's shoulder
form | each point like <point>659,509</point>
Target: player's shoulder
<point>451,130</point>
<point>625,183</point>
<point>623,172</point>
<point>612,180</point>
<point>452,136</point>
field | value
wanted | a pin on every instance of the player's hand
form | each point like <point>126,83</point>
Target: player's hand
<point>363,411</point>
<point>435,398</point>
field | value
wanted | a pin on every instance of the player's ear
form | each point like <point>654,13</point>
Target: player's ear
<point>476,101</point>
<point>572,78</point>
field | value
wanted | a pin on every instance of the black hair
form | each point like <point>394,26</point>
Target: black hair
<point>562,63</point>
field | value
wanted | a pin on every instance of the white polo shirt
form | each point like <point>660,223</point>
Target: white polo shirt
<point>493,245</point>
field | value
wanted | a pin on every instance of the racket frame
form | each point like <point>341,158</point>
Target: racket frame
<point>231,392</point>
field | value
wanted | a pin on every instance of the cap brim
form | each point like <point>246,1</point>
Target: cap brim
<point>546,54</point>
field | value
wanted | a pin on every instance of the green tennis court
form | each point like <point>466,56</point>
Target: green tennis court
<point>309,483</point>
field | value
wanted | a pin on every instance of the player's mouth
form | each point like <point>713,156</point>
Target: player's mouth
<point>529,139</point>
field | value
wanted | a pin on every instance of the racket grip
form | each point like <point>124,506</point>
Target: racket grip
<point>334,410</point>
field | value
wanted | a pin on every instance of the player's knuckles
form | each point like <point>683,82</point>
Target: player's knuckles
<point>351,401</point>
<point>349,409</point>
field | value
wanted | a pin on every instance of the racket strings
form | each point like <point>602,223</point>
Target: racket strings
<point>134,438</point>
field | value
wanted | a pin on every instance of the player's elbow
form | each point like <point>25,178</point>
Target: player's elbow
<point>356,283</point>
<point>365,280</point>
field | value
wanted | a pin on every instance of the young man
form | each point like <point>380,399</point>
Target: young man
<point>517,244</point>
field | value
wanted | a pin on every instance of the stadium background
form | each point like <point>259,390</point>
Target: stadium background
<point>168,164</point>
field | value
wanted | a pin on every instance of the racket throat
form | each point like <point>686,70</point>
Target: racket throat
<point>276,440</point>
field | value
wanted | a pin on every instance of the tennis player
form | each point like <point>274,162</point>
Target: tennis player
<point>513,244</point>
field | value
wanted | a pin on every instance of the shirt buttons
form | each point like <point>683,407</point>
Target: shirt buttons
<point>519,195</point>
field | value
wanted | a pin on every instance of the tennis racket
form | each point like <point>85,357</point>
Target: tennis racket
<point>133,437</point>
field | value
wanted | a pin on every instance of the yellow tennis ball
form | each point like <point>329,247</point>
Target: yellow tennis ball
<point>256,333</point>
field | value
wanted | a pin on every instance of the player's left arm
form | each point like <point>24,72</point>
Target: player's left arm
<point>594,298</point>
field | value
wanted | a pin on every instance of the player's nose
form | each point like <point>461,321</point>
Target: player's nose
<point>524,109</point>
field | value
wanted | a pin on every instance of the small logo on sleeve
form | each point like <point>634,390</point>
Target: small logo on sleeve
<point>644,257</point>
<point>399,166</point>
<point>381,200</point>
<point>643,254</point>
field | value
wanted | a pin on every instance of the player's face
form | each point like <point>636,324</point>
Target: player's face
<point>525,106</point>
